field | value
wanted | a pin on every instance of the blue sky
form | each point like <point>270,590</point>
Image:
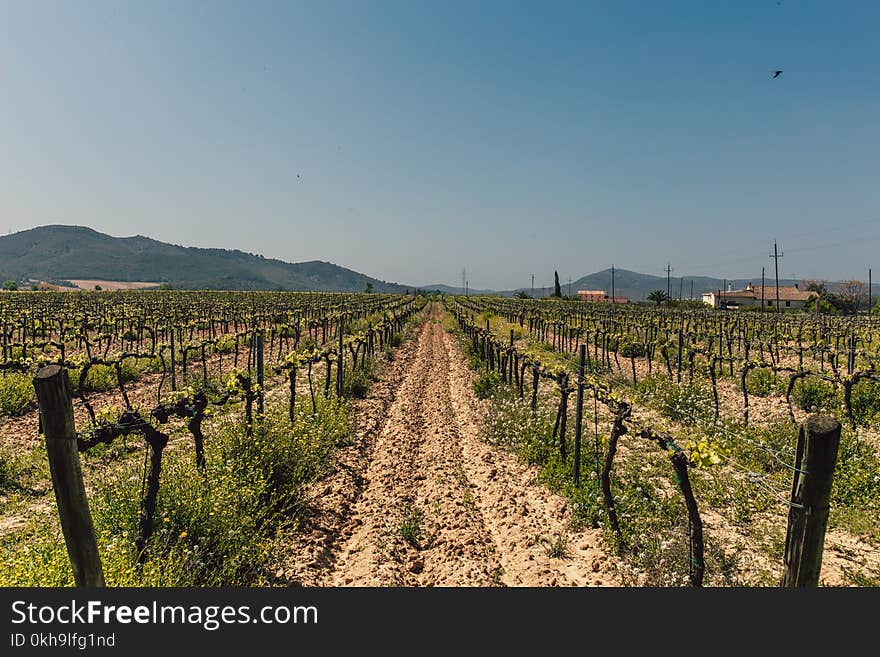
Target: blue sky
<point>509,138</point>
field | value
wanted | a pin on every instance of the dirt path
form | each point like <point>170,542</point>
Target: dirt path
<point>437,506</point>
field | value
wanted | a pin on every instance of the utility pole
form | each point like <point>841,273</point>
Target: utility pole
<point>569,287</point>
<point>870,299</point>
<point>612,285</point>
<point>776,256</point>
<point>533,286</point>
<point>762,289</point>
<point>668,288</point>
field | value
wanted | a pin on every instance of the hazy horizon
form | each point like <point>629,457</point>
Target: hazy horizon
<point>409,141</point>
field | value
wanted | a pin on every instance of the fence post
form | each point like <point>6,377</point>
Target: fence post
<point>579,411</point>
<point>173,361</point>
<point>56,414</point>
<point>810,497</point>
<point>260,394</point>
<point>339,371</point>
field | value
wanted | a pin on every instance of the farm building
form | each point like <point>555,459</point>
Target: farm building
<point>599,296</point>
<point>790,297</point>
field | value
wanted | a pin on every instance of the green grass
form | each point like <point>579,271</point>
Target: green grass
<point>762,382</point>
<point>10,469</point>
<point>356,383</point>
<point>220,528</point>
<point>486,383</point>
<point>16,393</point>
<point>411,527</point>
<point>865,401</point>
<point>855,491</point>
<point>101,378</point>
<point>811,393</point>
<point>687,403</point>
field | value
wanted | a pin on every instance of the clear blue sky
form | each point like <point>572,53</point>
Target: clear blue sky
<point>509,138</point>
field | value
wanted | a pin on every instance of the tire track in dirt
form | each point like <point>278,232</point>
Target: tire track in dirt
<point>440,507</point>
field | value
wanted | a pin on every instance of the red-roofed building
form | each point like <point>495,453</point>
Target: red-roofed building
<point>599,296</point>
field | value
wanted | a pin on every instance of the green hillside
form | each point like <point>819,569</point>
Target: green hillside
<point>75,252</point>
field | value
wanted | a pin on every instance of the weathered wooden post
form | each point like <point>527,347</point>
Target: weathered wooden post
<point>810,498</point>
<point>339,369</point>
<point>56,415</point>
<point>260,373</point>
<point>579,412</point>
<point>173,362</point>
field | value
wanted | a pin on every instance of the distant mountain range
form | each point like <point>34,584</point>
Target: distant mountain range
<point>638,286</point>
<point>64,253</point>
<point>68,253</point>
<point>630,284</point>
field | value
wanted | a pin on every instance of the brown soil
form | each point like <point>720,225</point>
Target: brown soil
<point>475,514</point>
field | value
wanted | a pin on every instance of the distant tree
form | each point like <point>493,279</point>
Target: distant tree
<point>369,288</point>
<point>658,297</point>
<point>522,295</point>
<point>98,287</point>
<point>557,289</point>
<point>813,285</point>
<point>853,292</point>
<point>10,285</point>
<point>34,287</point>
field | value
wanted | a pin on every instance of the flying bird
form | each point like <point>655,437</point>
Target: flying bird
<point>776,74</point>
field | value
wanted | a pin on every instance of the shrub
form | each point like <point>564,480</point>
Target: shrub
<point>762,382</point>
<point>810,391</point>
<point>487,382</point>
<point>356,383</point>
<point>510,422</point>
<point>866,402</point>
<point>411,527</point>
<point>855,491</point>
<point>688,403</point>
<point>16,393</point>
<point>632,350</point>
<point>101,378</point>
<point>226,344</point>
<point>9,470</point>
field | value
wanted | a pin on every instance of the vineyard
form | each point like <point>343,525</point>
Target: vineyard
<point>240,438</point>
<point>228,402</point>
<point>724,396</point>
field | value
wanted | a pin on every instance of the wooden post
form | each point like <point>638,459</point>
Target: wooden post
<point>563,413</point>
<point>260,374</point>
<point>339,370</point>
<point>579,412</point>
<point>810,497</point>
<point>535,374</point>
<point>173,362</point>
<point>56,415</point>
